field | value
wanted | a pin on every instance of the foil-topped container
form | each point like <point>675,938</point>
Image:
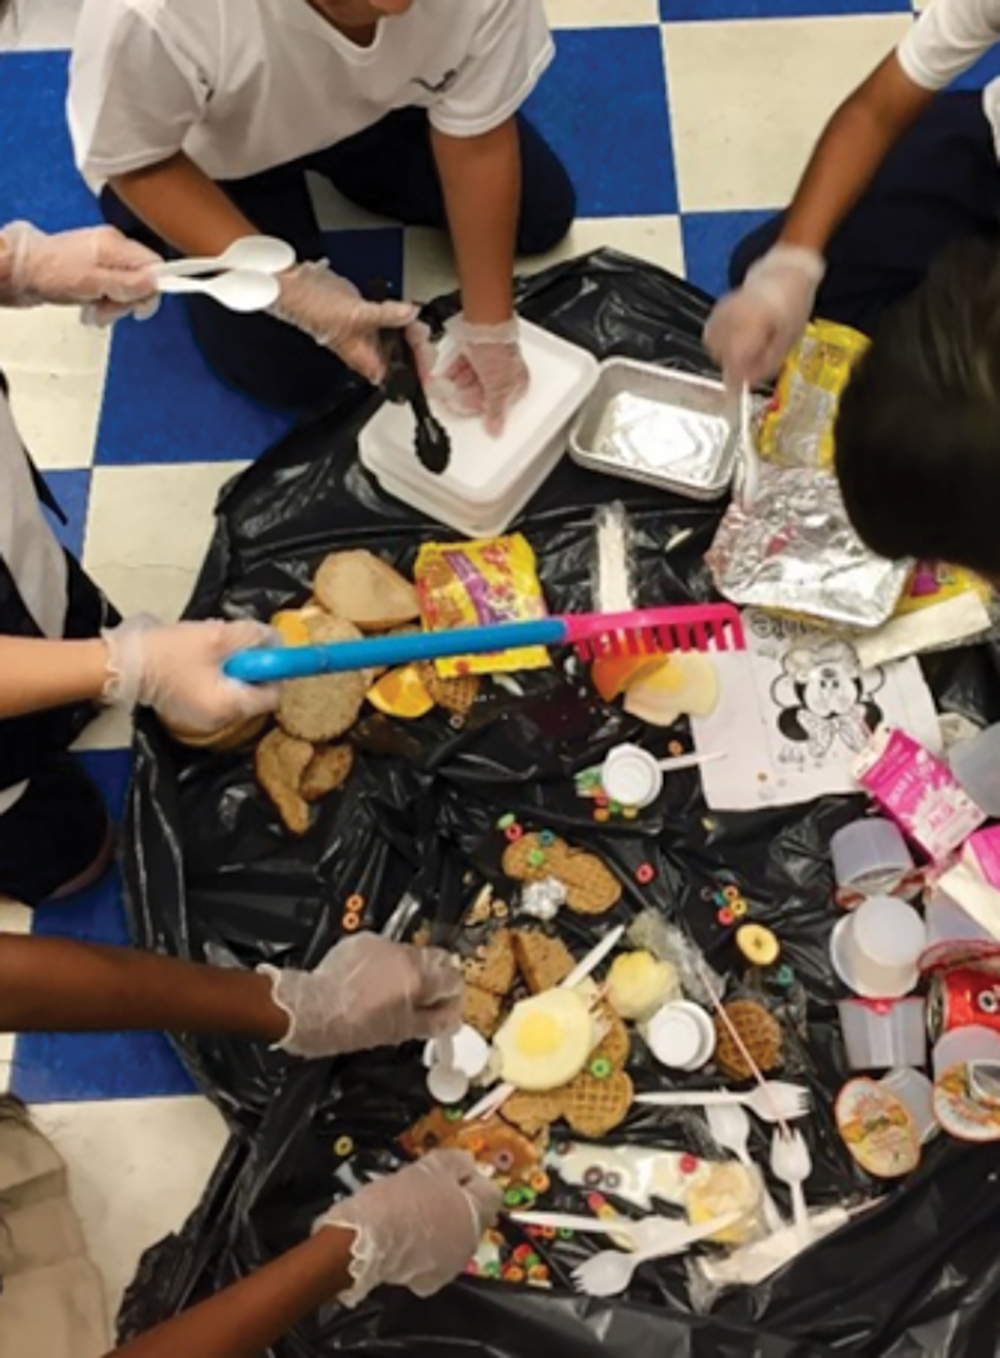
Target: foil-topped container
<point>794,549</point>
<point>663,428</point>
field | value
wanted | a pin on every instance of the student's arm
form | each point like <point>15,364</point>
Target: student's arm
<point>183,206</point>
<point>854,143</point>
<point>59,985</point>
<point>37,674</point>
<point>244,1320</point>
<point>481,179</point>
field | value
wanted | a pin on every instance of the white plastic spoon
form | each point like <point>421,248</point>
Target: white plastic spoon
<point>240,290</point>
<point>261,254</point>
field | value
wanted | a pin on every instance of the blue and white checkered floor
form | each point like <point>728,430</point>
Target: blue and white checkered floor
<point>682,121</point>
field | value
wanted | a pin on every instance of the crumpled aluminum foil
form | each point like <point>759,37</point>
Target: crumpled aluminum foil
<point>794,549</point>
<point>543,900</point>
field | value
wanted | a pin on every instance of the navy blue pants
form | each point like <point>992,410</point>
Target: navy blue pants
<point>939,184</point>
<point>388,169</point>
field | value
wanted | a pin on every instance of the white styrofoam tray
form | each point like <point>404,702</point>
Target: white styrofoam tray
<point>489,480</point>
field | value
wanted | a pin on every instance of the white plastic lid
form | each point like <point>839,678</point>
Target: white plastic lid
<point>631,776</point>
<point>675,1036</point>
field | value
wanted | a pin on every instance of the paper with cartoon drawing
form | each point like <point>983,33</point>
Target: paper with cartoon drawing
<point>794,709</point>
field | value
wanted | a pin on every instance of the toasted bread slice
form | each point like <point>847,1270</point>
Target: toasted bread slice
<point>328,769</point>
<point>323,708</point>
<point>232,737</point>
<point>544,962</point>
<point>365,590</point>
<point>280,762</point>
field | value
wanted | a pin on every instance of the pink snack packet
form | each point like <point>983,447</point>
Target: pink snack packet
<point>982,853</point>
<point>918,791</point>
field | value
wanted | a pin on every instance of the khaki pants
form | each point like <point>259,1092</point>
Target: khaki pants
<point>52,1304</point>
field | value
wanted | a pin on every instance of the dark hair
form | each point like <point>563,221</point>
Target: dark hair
<point>918,431</point>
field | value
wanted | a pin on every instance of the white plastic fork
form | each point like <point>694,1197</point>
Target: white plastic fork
<point>771,1102</point>
<point>792,1164</point>
<point>609,1273</point>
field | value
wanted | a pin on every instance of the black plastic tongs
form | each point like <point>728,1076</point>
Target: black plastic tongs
<point>403,384</point>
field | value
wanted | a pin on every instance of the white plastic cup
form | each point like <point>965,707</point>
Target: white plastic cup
<point>875,950</point>
<point>947,922</point>
<point>961,1045</point>
<point>916,1091</point>
<point>631,776</point>
<point>467,1051</point>
<point>681,1036</point>
<point>870,855</point>
<point>881,1034</point>
<point>976,765</point>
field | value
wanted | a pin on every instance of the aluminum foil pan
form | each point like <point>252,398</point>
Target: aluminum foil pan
<point>794,549</point>
<point>663,428</point>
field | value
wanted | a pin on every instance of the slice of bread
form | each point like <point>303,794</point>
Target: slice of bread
<point>499,965</point>
<point>328,769</point>
<point>365,590</point>
<point>544,962</point>
<point>323,708</point>
<point>280,762</point>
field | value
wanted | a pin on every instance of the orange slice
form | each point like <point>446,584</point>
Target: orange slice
<point>613,674</point>
<point>291,626</point>
<point>401,693</point>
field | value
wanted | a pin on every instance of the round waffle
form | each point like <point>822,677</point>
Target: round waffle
<point>761,1035</point>
<point>593,1107</point>
<point>454,695</point>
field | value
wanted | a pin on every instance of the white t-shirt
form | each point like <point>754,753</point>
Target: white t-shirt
<point>949,38</point>
<point>245,85</point>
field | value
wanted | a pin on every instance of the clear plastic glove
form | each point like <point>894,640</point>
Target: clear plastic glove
<point>368,992</point>
<point>417,1228</point>
<point>331,311</point>
<point>176,669</point>
<point>97,267</point>
<point>752,331</point>
<point>488,375</point>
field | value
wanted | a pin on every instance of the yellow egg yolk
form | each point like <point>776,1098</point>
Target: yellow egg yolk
<point>539,1035</point>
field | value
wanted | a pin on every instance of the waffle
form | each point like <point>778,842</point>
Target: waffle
<point>543,961</point>
<point>498,967</point>
<point>591,888</point>
<point>454,695</point>
<point>481,1010</point>
<point>533,1113</point>
<point>761,1034</point>
<point>616,1044</point>
<point>594,1107</point>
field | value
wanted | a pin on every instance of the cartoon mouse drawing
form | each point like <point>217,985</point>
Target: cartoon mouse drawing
<point>824,696</point>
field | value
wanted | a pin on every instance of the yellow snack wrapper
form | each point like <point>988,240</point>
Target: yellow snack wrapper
<point>797,430</point>
<point>476,584</point>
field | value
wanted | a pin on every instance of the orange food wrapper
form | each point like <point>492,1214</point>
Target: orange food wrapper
<point>477,584</point>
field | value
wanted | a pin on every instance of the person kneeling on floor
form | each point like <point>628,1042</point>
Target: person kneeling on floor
<point>198,120</point>
<point>900,173</point>
<point>417,1228</point>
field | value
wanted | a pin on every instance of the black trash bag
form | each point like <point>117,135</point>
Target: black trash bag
<point>211,875</point>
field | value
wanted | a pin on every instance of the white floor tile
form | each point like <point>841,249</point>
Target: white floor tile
<point>429,269</point>
<point>600,13</point>
<point>748,100</point>
<point>147,531</point>
<point>110,730</point>
<point>41,24</point>
<point>137,1168</point>
<point>334,212</point>
<point>56,368</point>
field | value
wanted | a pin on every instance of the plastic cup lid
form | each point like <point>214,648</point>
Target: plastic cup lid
<point>677,1037</point>
<point>631,776</point>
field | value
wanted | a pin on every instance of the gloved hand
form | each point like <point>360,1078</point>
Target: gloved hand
<point>96,267</point>
<point>488,375</point>
<point>368,992</point>
<point>418,1228</point>
<point>752,331</point>
<point>176,669</point>
<point>330,310</point>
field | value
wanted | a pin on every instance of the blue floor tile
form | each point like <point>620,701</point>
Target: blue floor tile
<point>985,70</point>
<point>369,257</point>
<point>602,107</point>
<point>709,239</point>
<point>81,1067</point>
<point>162,404</point>
<point>38,181</point>
<point>685,10</point>
<point>72,493</point>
